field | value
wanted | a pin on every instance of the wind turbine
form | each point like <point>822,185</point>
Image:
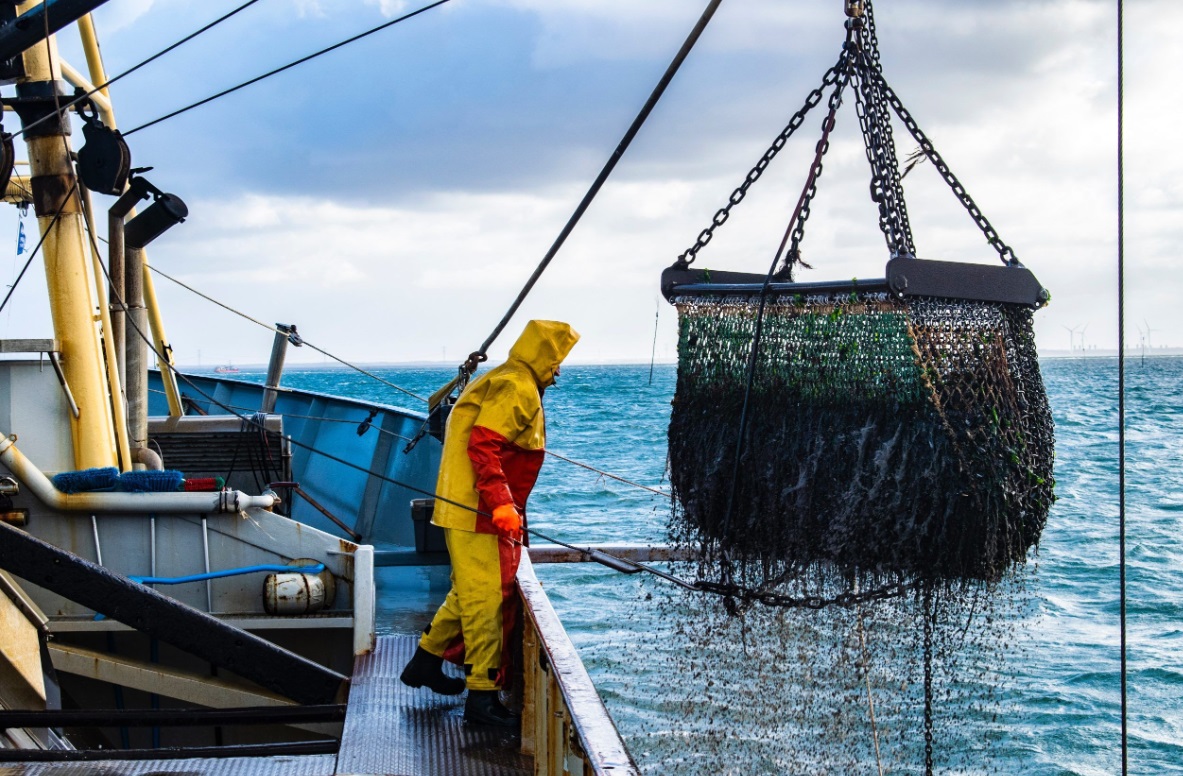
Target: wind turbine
<point>1142,335</point>
<point>1071,337</point>
<point>1082,331</point>
<point>1149,342</point>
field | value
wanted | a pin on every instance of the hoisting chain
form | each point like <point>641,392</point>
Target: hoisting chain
<point>928,626</point>
<point>1004,251</point>
<point>887,190</point>
<point>813,100</point>
<point>793,254</point>
<point>816,602</point>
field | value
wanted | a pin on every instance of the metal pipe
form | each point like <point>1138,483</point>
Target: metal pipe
<point>209,593</point>
<point>117,272</point>
<point>29,29</point>
<point>111,354</point>
<point>98,75</point>
<point>136,385</point>
<point>148,457</point>
<point>226,501</point>
<point>279,350</point>
<point>98,547</point>
<point>75,78</point>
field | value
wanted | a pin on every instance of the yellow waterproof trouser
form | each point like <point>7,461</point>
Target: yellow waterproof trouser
<point>473,625</point>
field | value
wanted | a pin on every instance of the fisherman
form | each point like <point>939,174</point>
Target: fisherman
<point>493,450</point>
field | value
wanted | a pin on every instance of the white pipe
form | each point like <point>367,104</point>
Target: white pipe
<point>226,501</point>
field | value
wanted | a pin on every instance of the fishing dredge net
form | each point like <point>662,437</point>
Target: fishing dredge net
<point>868,459</point>
<point>885,438</point>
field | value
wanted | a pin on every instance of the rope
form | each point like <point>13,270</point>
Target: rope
<point>275,330</point>
<point>632,131</point>
<point>131,70</point>
<point>288,66</point>
<point>866,658</point>
<point>1121,531</point>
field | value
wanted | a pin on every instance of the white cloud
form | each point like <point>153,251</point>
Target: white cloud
<point>389,8</point>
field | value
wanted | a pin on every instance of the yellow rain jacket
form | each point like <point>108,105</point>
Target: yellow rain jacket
<point>496,435</point>
<point>493,449</point>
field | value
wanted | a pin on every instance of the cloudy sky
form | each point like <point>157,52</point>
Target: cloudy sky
<point>392,197</point>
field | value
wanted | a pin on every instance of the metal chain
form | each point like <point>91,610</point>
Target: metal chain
<point>793,255</point>
<point>887,189</point>
<point>928,626</point>
<point>1004,251</point>
<point>784,601</point>
<point>720,218</point>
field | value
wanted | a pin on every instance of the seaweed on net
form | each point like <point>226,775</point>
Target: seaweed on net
<point>886,439</point>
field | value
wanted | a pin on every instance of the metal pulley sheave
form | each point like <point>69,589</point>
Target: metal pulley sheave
<point>104,162</point>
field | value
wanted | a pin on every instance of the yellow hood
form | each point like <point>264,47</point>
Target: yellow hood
<point>542,347</point>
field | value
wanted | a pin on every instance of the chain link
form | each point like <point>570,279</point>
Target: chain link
<point>887,190</point>
<point>874,102</point>
<point>784,601</point>
<point>928,626</point>
<point>812,101</point>
<point>1004,251</point>
<point>793,255</point>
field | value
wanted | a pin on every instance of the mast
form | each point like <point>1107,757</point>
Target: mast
<point>72,294</point>
<point>98,75</point>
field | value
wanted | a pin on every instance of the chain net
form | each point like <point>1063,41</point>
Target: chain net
<point>886,440</point>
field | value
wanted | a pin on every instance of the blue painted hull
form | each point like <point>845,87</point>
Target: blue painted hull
<point>359,488</point>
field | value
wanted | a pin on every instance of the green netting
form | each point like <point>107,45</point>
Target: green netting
<point>885,438</point>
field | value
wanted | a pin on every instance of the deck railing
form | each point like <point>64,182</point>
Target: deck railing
<point>565,726</point>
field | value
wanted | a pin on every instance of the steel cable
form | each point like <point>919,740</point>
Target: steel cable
<point>283,68</point>
<point>129,71</point>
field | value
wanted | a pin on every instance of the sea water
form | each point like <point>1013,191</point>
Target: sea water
<point>1038,692</point>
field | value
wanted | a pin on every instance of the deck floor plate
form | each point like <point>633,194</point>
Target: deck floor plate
<point>305,765</point>
<point>393,729</point>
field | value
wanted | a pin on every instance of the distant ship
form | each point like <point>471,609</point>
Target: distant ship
<point>229,369</point>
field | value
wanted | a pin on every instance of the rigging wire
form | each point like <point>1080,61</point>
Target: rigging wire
<point>396,435</point>
<point>129,71</point>
<point>33,255</point>
<point>482,353</point>
<point>386,382</point>
<point>1121,479</point>
<point>288,66</point>
<point>620,563</point>
<point>275,330</point>
<point>253,421</point>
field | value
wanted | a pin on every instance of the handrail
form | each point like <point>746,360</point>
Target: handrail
<point>592,737</point>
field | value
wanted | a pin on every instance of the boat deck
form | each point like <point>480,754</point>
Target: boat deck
<point>389,729</point>
<point>392,729</point>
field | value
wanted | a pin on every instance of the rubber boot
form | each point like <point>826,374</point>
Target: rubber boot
<point>483,707</point>
<point>426,670</point>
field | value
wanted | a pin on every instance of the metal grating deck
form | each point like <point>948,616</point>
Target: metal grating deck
<point>392,729</point>
<point>310,765</point>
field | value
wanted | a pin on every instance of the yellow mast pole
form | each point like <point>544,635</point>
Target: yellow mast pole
<point>72,294</point>
<point>98,75</point>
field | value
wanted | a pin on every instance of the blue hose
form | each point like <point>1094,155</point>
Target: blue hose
<point>318,568</point>
<point>314,569</point>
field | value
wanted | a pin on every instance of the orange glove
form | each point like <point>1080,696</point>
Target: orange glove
<point>508,520</point>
